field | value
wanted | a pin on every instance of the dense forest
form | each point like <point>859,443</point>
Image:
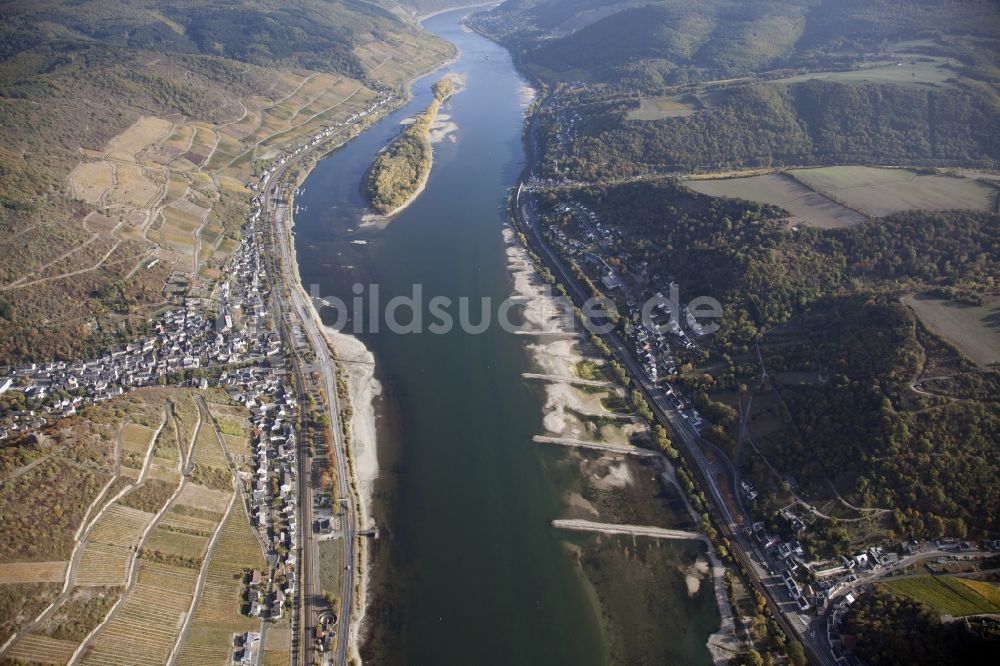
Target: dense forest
<point>303,33</point>
<point>811,123</point>
<point>643,45</point>
<point>741,253</point>
<point>853,396</point>
<point>861,426</point>
<point>740,61</point>
<point>896,631</point>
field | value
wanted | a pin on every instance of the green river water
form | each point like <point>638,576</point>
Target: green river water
<point>468,569</point>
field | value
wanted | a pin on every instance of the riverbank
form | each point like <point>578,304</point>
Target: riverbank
<point>460,477</point>
<point>562,409</point>
<point>355,365</point>
<point>569,411</point>
<point>608,487</point>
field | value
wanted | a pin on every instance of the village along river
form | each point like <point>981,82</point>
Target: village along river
<point>468,569</point>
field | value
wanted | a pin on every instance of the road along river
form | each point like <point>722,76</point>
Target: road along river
<point>468,569</point>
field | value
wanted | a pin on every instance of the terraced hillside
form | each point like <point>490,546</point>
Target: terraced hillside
<point>150,532</point>
<point>129,129</point>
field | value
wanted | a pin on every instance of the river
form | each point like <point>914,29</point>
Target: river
<point>468,569</point>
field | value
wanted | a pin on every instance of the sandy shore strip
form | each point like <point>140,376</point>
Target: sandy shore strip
<point>363,389</point>
<point>560,357</point>
<point>568,409</point>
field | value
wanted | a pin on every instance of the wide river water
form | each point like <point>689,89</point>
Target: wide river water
<point>468,569</point>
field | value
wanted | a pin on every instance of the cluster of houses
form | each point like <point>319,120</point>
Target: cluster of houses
<point>655,331</point>
<point>273,483</point>
<point>184,339</point>
<point>789,559</point>
<point>841,644</point>
<point>198,335</point>
<point>326,631</point>
<point>245,647</point>
<point>230,337</point>
<point>568,126</point>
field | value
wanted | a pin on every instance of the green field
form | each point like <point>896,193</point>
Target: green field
<point>948,596</point>
<point>877,192</point>
<point>658,108</point>
<point>805,205</point>
<point>909,70</point>
<point>841,196</point>
<point>975,330</point>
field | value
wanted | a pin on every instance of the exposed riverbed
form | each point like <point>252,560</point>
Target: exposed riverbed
<point>468,568</point>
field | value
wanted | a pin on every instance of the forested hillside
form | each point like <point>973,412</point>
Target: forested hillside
<point>752,84</point>
<point>832,384</point>
<point>892,630</point>
<point>671,42</point>
<point>827,300</point>
<point>304,33</point>
<point>814,122</point>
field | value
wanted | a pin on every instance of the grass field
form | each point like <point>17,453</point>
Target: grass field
<point>975,330</point>
<point>143,133</point>
<point>805,205</point>
<point>989,591</point>
<point>135,187</point>
<point>948,596</point>
<point>171,543</point>
<point>91,180</point>
<point>878,192</point>
<point>396,60</point>
<point>923,71</point>
<point>207,450</point>
<point>32,572</point>
<point>205,499</point>
<point>108,548</point>
<point>658,108</point>
<point>103,564</point>
<point>135,438</point>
